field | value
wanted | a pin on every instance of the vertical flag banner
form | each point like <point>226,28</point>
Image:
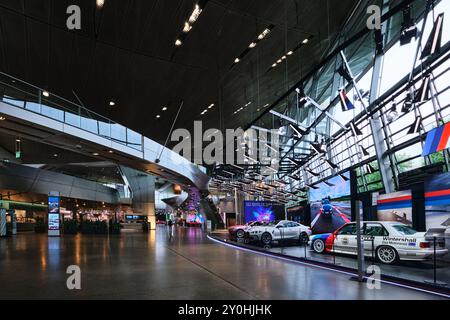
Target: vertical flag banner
<point>346,104</point>
<point>437,140</point>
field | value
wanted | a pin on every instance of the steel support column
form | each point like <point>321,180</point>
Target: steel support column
<point>378,134</point>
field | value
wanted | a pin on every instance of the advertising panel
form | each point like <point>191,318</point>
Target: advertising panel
<point>330,205</point>
<point>53,215</point>
<point>437,201</point>
<point>396,207</point>
<point>263,211</point>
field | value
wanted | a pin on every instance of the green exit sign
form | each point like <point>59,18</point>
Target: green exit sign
<point>18,154</point>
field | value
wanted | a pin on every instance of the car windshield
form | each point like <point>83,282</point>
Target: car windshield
<point>258,223</point>
<point>404,230</point>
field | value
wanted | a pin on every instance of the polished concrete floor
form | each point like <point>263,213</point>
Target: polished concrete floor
<point>157,266</point>
<point>419,271</point>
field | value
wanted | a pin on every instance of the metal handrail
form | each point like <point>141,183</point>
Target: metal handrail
<point>65,106</point>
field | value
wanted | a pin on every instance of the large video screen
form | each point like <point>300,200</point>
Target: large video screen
<point>263,211</point>
<point>336,188</point>
<point>395,206</point>
<point>330,205</point>
<point>437,201</point>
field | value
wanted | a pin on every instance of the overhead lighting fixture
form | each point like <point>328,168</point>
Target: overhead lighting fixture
<point>291,52</point>
<point>392,114</point>
<point>254,43</point>
<point>55,155</point>
<point>187,27</point>
<point>158,116</point>
<point>178,42</point>
<point>434,41</point>
<point>355,130</point>
<point>297,130</point>
<point>95,154</point>
<point>2,118</point>
<point>415,127</point>
<point>318,147</point>
<point>46,94</point>
<point>331,164</point>
<point>164,109</point>
<point>211,106</point>
<point>112,103</point>
<point>18,140</point>
<point>329,184</point>
<point>423,93</point>
<point>364,151</point>
<point>369,169</point>
<point>315,174</point>
<point>100,3</point>
<point>409,29</point>
<point>408,104</point>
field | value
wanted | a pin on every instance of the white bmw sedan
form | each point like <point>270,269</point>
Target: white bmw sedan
<point>387,241</point>
<point>279,230</point>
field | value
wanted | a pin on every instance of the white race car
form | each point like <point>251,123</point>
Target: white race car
<point>279,230</point>
<point>386,241</point>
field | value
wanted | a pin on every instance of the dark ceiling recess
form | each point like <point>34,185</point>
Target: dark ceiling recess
<point>126,54</point>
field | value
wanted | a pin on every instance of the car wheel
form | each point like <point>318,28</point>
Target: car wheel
<point>318,246</point>
<point>240,234</point>
<point>266,238</point>
<point>303,239</point>
<point>387,255</point>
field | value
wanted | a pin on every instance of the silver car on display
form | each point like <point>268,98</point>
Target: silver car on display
<point>387,241</point>
<point>279,230</point>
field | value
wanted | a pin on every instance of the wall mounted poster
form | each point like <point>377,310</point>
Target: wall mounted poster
<point>396,207</point>
<point>437,201</point>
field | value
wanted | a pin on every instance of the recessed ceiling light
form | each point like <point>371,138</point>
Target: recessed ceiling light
<point>237,60</point>
<point>252,45</point>
<point>110,151</point>
<point>100,3</point>
<point>112,103</point>
<point>55,155</point>
<point>211,106</point>
<point>290,53</point>
<point>2,118</point>
<point>274,65</point>
<point>45,93</point>
<point>178,42</point>
<point>164,109</point>
<point>305,41</point>
<point>95,154</point>
<point>158,116</point>
<point>18,140</point>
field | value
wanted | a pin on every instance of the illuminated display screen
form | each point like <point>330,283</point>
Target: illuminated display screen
<point>263,211</point>
<point>53,204</point>
<point>337,188</point>
<point>194,218</point>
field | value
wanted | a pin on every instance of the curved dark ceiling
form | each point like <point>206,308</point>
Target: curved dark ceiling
<point>126,53</point>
